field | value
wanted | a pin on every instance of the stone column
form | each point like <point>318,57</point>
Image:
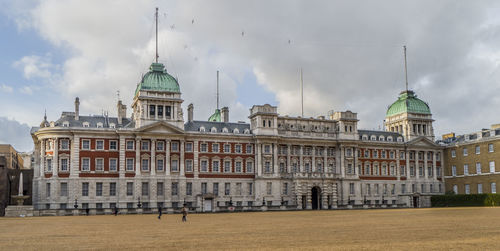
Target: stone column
<point>288,158</point>
<point>153,155</point>
<point>55,159</point>
<point>42,158</point>
<point>196,158</point>
<point>258,161</point>
<point>167,158</point>
<point>325,158</point>
<point>181,159</point>
<point>75,157</point>
<point>275,160</point>
<point>313,159</point>
<point>138,156</point>
<point>398,166</point>
<point>121,160</point>
<point>301,159</point>
<point>309,198</point>
<point>342,159</point>
<point>434,167</point>
<point>426,174</point>
<point>407,158</point>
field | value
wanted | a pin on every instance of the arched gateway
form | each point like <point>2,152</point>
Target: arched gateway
<point>316,198</point>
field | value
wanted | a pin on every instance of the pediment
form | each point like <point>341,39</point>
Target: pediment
<point>422,142</point>
<point>160,127</point>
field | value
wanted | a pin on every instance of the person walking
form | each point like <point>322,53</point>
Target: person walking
<point>159,212</point>
<point>184,214</point>
<point>116,211</point>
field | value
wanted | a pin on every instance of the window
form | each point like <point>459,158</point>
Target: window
<point>129,165</point>
<point>175,146</point>
<point>267,149</point>
<point>203,147</point>
<point>112,189</point>
<point>113,145</point>
<point>269,188</point>
<point>145,165</point>
<point>393,189</point>
<point>99,164</point>
<point>403,188</point>
<point>160,146</point>
<point>478,168</point>
<point>204,165</point>
<point>455,189</point>
<point>250,166</point>
<point>492,166</point>
<point>479,188</point>
<point>64,144</point>
<point>349,169</point>
<point>237,166</point>
<point>144,145</point>
<point>113,165</point>
<point>493,187</point>
<point>189,165</point>
<point>267,167</point>
<point>216,189</point>
<point>422,187</point>
<point>215,166</point>
<point>351,188</point>
<point>384,189</point>
<point>375,154</point>
<point>159,189</point>
<point>215,147</point>
<point>285,188</point>
<point>465,151</point>
<point>145,189</point>
<point>130,145</point>
<point>249,149</point>
<point>99,125</point>
<point>454,170</point>
<point>160,164</point>
<point>167,111</point>
<point>367,169</point>
<point>383,154</point>
<point>420,171</point>
<point>160,111</point>
<point>466,169</point>
<point>204,188</point>
<point>377,191</point>
<point>64,165</point>
<point>152,110</point>
<point>189,188</point>
<point>403,170</point>
<point>478,150</point>
<point>238,188</point>
<point>368,189</point>
<point>237,148</point>
<point>227,188</point>
<point>250,188</point>
<point>64,189</point>
<point>175,165</point>
<point>98,189</point>
<point>189,147</point>
<point>130,188</point>
<point>85,189</point>
<point>467,189</point>
<point>85,164</point>
<point>174,188</point>
<point>490,148</point>
<point>86,144</point>
<point>227,148</point>
<point>99,145</point>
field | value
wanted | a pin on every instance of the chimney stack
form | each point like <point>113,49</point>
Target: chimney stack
<point>122,111</point>
<point>77,108</point>
<point>190,112</point>
<point>225,114</point>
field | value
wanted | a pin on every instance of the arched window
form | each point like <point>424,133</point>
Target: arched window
<point>246,131</point>
<point>365,137</point>
<point>269,123</point>
<point>225,130</point>
<point>236,130</point>
<point>99,125</point>
<point>202,129</point>
<point>214,130</point>
<point>389,138</point>
<point>381,138</point>
<point>264,123</point>
<point>373,138</point>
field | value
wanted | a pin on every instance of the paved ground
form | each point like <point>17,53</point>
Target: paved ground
<point>422,229</point>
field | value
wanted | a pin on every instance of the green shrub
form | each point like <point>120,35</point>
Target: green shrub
<point>465,200</point>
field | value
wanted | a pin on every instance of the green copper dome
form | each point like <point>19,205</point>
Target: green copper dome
<point>215,117</point>
<point>157,79</point>
<point>408,102</point>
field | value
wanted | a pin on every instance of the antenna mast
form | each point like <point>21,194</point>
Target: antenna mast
<point>406,69</point>
<point>156,20</point>
<point>301,93</point>
<point>217,90</point>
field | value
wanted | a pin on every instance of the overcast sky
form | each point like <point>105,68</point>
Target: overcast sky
<point>350,52</point>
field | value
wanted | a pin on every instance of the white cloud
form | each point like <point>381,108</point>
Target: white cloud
<point>351,53</point>
<point>26,90</point>
<point>5,88</point>
<point>36,67</point>
<point>16,134</point>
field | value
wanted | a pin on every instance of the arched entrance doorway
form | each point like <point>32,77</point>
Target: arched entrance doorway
<point>316,198</point>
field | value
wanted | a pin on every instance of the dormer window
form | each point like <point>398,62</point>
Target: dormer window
<point>381,138</point>
<point>65,124</point>
<point>373,138</point>
<point>365,137</point>
<point>112,125</point>
<point>224,130</point>
<point>86,124</point>
<point>99,125</point>
<point>400,139</point>
<point>202,129</point>
<point>389,139</point>
<point>236,131</point>
<point>213,130</point>
<point>246,131</point>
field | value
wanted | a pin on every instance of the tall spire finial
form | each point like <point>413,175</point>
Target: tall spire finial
<point>45,116</point>
<point>217,90</point>
<point>406,69</point>
<point>156,20</point>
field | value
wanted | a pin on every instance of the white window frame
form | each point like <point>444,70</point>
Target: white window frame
<point>493,187</point>
<point>204,165</point>
<point>174,146</point>
<point>145,145</point>
<point>236,166</point>
<point>174,165</point>
<point>64,142</point>
<point>189,165</point>
<point>466,169</point>
<point>160,167</point>
<point>97,144</point>
<point>467,189</point>
<point>203,147</point>
<point>227,148</point>
<point>453,153</point>
<point>83,144</point>
<point>116,145</point>
<point>143,161</point>
<point>127,145</point>
<point>227,168</point>
<point>215,147</point>
<point>492,166</point>
<point>99,167</point>
<point>129,168</point>
<point>88,165</point>
<point>160,146</point>
<point>215,165</point>
<point>453,171</point>
<point>465,151</point>
<point>250,164</point>
<point>479,188</point>
<point>115,169</point>
<point>478,167</point>
<point>491,148</point>
<point>62,165</point>
<point>237,148</point>
<point>249,147</point>
<point>478,150</point>
<point>189,147</point>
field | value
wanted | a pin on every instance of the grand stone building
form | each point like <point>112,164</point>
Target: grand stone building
<point>155,158</point>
